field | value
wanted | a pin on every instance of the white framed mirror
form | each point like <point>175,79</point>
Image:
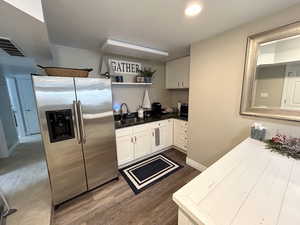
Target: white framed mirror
<point>271,86</point>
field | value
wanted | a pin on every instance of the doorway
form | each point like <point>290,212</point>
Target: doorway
<point>291,88</point>
<point>23,106</point>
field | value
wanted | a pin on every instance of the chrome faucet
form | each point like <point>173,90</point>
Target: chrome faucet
<point>121,109</point>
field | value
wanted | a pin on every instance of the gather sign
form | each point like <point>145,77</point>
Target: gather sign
<point>125,67</point>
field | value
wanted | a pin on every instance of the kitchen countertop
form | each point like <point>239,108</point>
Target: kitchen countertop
<point>130,123</point>
<point>249,185</point>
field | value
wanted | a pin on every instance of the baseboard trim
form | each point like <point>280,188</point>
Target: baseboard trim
<point>195,165</point>
<point>179,149</point>
<point>13,147</point>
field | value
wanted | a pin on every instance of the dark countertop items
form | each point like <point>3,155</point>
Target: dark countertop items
<point>136,121</point>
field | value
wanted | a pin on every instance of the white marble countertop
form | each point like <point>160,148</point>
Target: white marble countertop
<point>250,185</point>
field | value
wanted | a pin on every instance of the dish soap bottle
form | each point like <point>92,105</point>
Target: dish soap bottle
<point>140,112</point>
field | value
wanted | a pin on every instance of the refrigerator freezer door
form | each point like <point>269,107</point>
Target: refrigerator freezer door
<point>55,97</point>
<point>98,133</point>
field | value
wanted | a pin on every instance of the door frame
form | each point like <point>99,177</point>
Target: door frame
<point>286,90</point>
<point>27,133</point>
<point>15,102</point>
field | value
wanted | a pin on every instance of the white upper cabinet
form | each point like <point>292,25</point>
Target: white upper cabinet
<point>177,73</point>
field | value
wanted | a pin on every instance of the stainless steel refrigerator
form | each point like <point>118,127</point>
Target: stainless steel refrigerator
<point>77,127</point>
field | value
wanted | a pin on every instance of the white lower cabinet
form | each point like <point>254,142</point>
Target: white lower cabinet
<point>170,133</point>
<point>180,134</point>
<point>125,145</point>
<point>159,135</point>
<point>133,143</point>
<point>125,149</point>
<point>142,144</point>
<point>142,140</point>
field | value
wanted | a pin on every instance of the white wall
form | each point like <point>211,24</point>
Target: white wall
<point>76,58</point>
<point>81,58</point>
<point>217,66</point>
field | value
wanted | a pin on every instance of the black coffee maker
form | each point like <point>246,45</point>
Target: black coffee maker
<point>156,109</point>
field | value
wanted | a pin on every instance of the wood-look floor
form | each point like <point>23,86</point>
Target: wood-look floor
<point>116,204</point>
<point>25,183</point>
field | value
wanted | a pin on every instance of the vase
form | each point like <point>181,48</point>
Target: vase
<point>147,79</point>
<point>140,79</point>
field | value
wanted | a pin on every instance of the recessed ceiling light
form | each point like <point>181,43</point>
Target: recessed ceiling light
<point>193,10</point>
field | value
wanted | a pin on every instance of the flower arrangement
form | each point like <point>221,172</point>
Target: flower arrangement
<point>147,72</point>
<point>284,145</point>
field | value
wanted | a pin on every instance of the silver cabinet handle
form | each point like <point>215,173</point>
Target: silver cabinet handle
<point>83,133</point>
<point>76,122</point>
<point>182,84</point>
<point>178,84</point>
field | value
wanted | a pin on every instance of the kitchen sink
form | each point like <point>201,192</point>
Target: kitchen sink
<point>128,119</point>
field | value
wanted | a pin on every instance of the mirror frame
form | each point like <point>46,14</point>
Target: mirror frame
<point>253,43</point>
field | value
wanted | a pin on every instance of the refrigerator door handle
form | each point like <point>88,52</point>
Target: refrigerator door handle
<point>78,134</point>
<point>83,133</point>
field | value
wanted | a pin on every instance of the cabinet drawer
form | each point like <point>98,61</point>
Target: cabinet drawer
<point>140,128</point>
<point>170,121</point>
<point>181,123</point>
<point>124,132</point>
<point>159,124</point>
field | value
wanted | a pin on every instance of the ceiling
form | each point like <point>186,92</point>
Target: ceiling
<point>158,24</point>
<point>27,32</point>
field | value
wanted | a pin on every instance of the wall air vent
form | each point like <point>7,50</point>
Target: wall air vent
<point>10,48</point>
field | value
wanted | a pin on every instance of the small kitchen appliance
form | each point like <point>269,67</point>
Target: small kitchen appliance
<point>184,110</point>
<point>156,109</point>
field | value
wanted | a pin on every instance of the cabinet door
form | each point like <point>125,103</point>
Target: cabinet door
<point>159,140</point>
<point>142,143</point>
<point>186,72</point>
<point>177,73</point>
<point>172,76</point>
<point>169,133</point>
<point>125,149</point>
<point>28,105</point>
<point>180,134</point>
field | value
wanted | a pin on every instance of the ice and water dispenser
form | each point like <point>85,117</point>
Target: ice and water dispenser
<point>60,125</point>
